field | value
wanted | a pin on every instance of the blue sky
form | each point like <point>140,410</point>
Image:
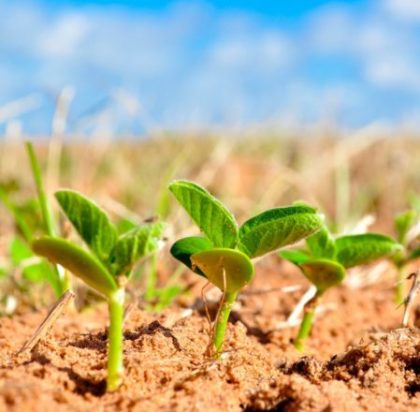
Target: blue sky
<point>131,67</point>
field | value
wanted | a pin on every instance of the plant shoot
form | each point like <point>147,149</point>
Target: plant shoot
<point>224,251</point>
<point>106,267</point>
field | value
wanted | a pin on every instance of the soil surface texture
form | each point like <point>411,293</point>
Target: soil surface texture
<point>357,359</point>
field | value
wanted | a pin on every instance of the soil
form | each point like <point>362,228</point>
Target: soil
<point>357,358</point>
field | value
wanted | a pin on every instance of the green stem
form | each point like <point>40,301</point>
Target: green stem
<point>115,340</point>
<point>222,320</point>
<point>306,324</point>
<point>400,287</point>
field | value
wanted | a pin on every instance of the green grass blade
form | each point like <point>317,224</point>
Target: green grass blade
<point>90,221</point>
<point>211,216</point>
<point>275,228</point>
<point>354,250</point>
<point>47,214</point>
<point>79,262</point>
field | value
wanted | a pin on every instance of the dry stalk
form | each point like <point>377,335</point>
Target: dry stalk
<point>408,301</point>
<point>53,314</point>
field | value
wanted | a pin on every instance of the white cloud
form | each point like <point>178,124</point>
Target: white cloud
<point>394,71</point>
<point>405,9</point>
<point>64,37</point>
<point>330,29</point>
<point>191,62</point>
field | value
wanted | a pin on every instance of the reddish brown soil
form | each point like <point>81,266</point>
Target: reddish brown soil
<point>357,359</point>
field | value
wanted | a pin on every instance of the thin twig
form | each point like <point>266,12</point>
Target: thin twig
<point>306,297</point>
<point>47,323</point>
<point>408,301</point>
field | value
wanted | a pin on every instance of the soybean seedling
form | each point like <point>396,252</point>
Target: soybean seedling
<point>223,254</point>
<point>325,261</point>
<point>106,267</point>
<point>404,225</point>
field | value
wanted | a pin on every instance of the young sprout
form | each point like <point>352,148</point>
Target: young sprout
<point>404,224</point>
<point>106,267</point>
<point>223,254</point>
<point>325,261</point>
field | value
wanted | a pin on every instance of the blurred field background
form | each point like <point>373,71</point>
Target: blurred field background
<point>264,103</point>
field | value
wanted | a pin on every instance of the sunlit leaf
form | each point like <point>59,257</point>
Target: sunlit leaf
<point>275,228</point>
<point>78,261</point>
<point>184,248</point>
<point>90,221</point>
<point>135,245</point>
<point>295,256</point>
<point>321,244</point>
<point>211,216</point>
<point>323,273</point>
<point>354,250</point>
<point>230,270</point>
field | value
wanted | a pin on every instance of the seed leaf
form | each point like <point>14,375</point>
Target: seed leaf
<point>403,223</point>
<point>323,273</point>
<point>39,271</point>
<point>225,267</point>
<point>211,216</point>
<point>75,259</point>
<point>184,248</point>
<point>295,256</point>
<point>321,244</point>
<point>133,246</point>
<point>90,221</point>
<point>354,250</point>
<point>275,228</point>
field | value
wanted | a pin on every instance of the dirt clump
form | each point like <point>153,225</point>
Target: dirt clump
<point>381,373</point>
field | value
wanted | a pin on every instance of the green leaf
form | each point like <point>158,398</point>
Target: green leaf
<point>354,250</point>
<point>323,273</point>
<point>275,228</point>
<point>19,251</point>
<point>90,221</point>
<point>133,246</point>
<point>211,216</point>
<point>225,267</point>
<point>79,262</point>
<point>403,223</point>
<point>184,248</point>
<point>295,256</point>
<point>41,271</point>
<point>321,244</point>
<point>415,254</point>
